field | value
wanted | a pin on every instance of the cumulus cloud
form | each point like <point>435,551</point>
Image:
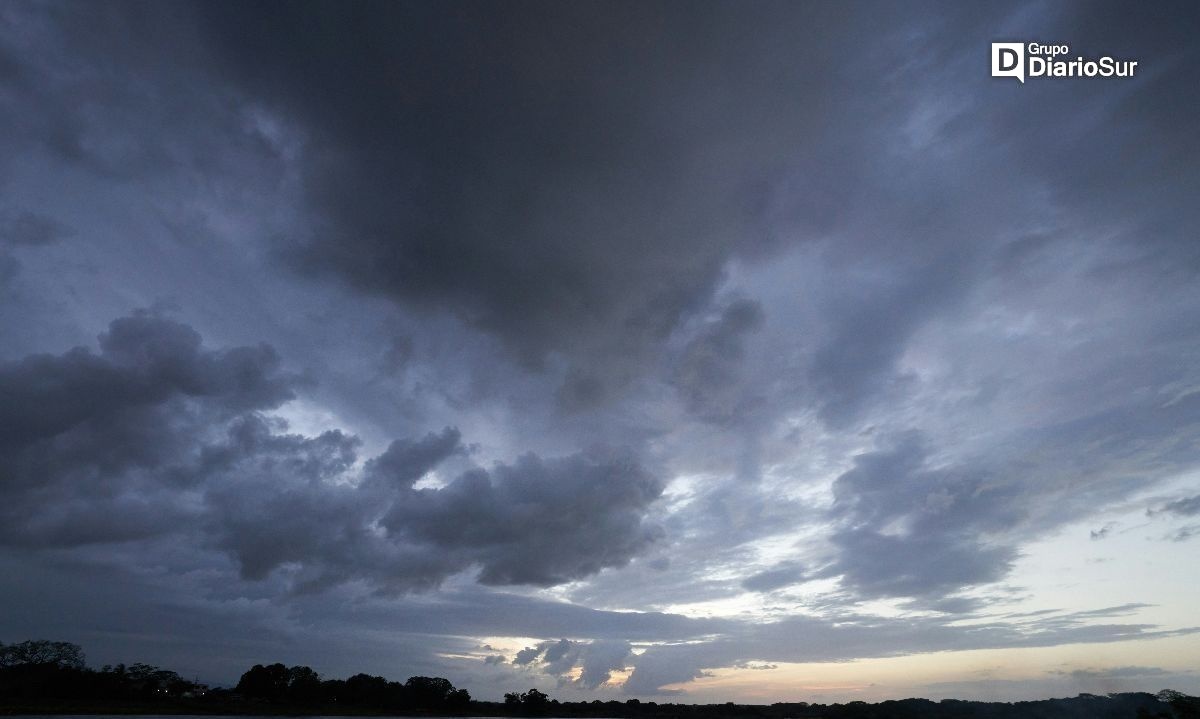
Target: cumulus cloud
<point>406,461</point>
<point>157,434</point>
<point>98,446</point>
<point>517,524</point>
<point>596,660</point>
<point>657,668</point>
<point>538,521</point>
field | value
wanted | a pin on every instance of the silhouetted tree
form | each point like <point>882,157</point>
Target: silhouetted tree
<point>304,685</point>
<point>150,680</point>
<point>1184,706</point>
<point>428,692</point>
<point>333,690</point>
<point>264,682</point>
<point>366,690</point>
<point>61,654</point>
<point>458,699</point>
<point>534,702</point>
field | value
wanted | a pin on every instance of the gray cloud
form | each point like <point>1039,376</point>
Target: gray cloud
<point>157,434</point>
<point>873,324</point>
<point>555,204</point>
<point>1185,533</point>
<point>19,230</point>
<point>1183,507</point>
<point>537,521</point>
<point>775,577</point>
<point>600,660</point>
<point>95,446</point>
<point>948,605</point>
<point>519,524</point>
<point>657,668</point>
<point>596,660</point>
<point>908,530</point>
<point>30,229</point>
<point>406,461</point>
<point>1114,672</point>
<point>898,507</point>
<point>803,639</point>
<point>707,371</point>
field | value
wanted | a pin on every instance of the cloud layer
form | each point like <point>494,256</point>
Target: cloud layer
<point>156,435</point>
<point>642,344</point>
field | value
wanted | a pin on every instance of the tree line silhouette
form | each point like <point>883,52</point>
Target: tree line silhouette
<point>300,685</point>
<point>52,677</point>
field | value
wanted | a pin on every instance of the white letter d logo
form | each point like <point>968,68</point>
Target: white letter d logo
<point>1008,60</point>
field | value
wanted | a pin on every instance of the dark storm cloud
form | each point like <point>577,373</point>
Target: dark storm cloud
<point>406,461</point>
<point>156,434</point>
<point>538,521</point>
<point>562,176</point>
<point>93,445</point>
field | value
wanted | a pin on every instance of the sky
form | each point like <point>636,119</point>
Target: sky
<point>692,352</point>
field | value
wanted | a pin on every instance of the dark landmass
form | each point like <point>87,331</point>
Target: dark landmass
<point>40,677</point>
